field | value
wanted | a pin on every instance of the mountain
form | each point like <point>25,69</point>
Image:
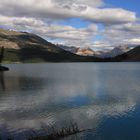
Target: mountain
<point>68,48</point>
<point>85,51</point>
<point>79,51</point>
<point>28,47</point>
<point>132,55</point>
<point>114,52</point>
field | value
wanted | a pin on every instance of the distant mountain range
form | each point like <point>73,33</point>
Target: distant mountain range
<point>28,47</point>
<point>102,54</point>
<point>79,51</point>
<point>114,52</point>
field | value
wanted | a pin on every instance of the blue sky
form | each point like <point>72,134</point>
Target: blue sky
<point>132,5</point>
<point>98,24</point>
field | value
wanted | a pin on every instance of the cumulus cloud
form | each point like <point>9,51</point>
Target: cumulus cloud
<point>42,17</point>
<point>109,15</point>
<point>57,9</point>
<point>124,33</point>
<point>67,34</point>
<point>70,35</point>
<point>133,41</point>
<point>129,27</point>
<point>68,3</point>
<point>20,23</point>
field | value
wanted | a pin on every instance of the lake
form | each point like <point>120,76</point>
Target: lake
<point>103,99</point>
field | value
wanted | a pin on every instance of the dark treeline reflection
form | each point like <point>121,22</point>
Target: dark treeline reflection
<point>29,83</point>
<point>12,84</point>
<point>2,81</point>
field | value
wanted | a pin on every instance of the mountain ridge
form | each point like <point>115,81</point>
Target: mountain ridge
<point>131,56</point>
<point>28,47</point>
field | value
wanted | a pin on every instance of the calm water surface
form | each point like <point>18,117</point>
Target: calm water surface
<point>103,97</point>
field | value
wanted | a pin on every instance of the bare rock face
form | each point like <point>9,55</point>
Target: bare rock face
<point>18,40</point>
<point>85,52</point>
<point>9,44</point>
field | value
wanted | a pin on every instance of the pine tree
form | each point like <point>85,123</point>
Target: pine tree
<point>1,54</point>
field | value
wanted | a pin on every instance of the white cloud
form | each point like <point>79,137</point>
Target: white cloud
<point>57,9</point>
<point>122,34</point>
<point>95,3</point>
<point>81,37</point>
<point>129,27</point>
<point>67,34</point>
<point>109,15</point>
<point>20,23</point>
<point>133,41</point>
<point>41,17</point>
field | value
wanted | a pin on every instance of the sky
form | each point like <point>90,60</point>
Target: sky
<point>98,24</point>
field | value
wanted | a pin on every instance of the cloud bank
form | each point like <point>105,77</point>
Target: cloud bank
<point>44,17</point>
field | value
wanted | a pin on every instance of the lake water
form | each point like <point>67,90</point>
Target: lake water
<point>101,98</point>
